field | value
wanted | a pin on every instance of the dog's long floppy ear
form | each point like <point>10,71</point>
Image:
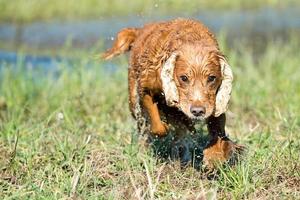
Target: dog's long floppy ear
<point>168,82</point>
<point>224,92</point>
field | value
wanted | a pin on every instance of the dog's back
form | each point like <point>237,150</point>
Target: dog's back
<point>156,39</point>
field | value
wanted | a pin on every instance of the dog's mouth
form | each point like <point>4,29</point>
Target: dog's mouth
<point>196,119</point>
<point>191,116</point>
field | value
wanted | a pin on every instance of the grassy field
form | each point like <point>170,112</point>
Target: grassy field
<point>24,11</point>
<point>69,134</point>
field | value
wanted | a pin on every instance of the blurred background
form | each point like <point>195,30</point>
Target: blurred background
<point>37,26</point>
<point>65,127</point>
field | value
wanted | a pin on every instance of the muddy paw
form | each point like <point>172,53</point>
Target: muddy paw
<point>160,129</point>
<point>221,150</point>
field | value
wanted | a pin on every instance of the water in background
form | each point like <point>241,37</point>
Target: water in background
<point>254,26</point>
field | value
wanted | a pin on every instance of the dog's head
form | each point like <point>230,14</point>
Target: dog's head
<point>198,81</point>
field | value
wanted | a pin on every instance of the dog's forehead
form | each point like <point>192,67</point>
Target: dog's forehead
<point>199,55</point>
<point>199,63</point>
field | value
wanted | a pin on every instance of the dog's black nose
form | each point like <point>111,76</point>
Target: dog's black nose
<point>197,110</point>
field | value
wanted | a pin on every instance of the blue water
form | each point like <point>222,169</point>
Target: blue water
<point>238,25</point>
<point>49,63</point>
<point>86,33</point>
<point>29,61</point>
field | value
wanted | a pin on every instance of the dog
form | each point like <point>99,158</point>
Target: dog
<point>177,76</point>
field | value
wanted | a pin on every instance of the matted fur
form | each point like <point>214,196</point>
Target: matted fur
<point>224,93</point>
<point>177,68</point>
<point>168,83</point>
<point>171,93</point>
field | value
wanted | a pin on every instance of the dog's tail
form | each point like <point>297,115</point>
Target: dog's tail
<point>123,43</point>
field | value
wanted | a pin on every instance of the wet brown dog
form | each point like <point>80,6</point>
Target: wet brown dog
<point>177,72</point>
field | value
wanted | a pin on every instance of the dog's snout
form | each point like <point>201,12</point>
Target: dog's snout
<point>198,110</point>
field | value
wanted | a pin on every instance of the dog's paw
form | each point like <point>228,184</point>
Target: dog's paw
<point>220,151</point>
<point>159,129</point>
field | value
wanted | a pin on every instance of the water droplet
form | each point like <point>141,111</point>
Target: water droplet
<point>59,116</point>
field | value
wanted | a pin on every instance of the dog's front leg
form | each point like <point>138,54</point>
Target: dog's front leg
<point>220,148</point>
<point>216,126</point>
<point>158,127</point>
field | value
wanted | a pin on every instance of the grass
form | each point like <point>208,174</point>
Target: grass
<point>68,133</point>
<point>36,10</point>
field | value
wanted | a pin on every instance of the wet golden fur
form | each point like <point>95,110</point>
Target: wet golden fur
<point>197,71</point>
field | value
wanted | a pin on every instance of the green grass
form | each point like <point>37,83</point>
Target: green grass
<point>70,134</point>
<point>24,11</point>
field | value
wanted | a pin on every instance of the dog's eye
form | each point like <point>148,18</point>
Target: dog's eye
<point>211,78</point>
<point>184,78</point>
